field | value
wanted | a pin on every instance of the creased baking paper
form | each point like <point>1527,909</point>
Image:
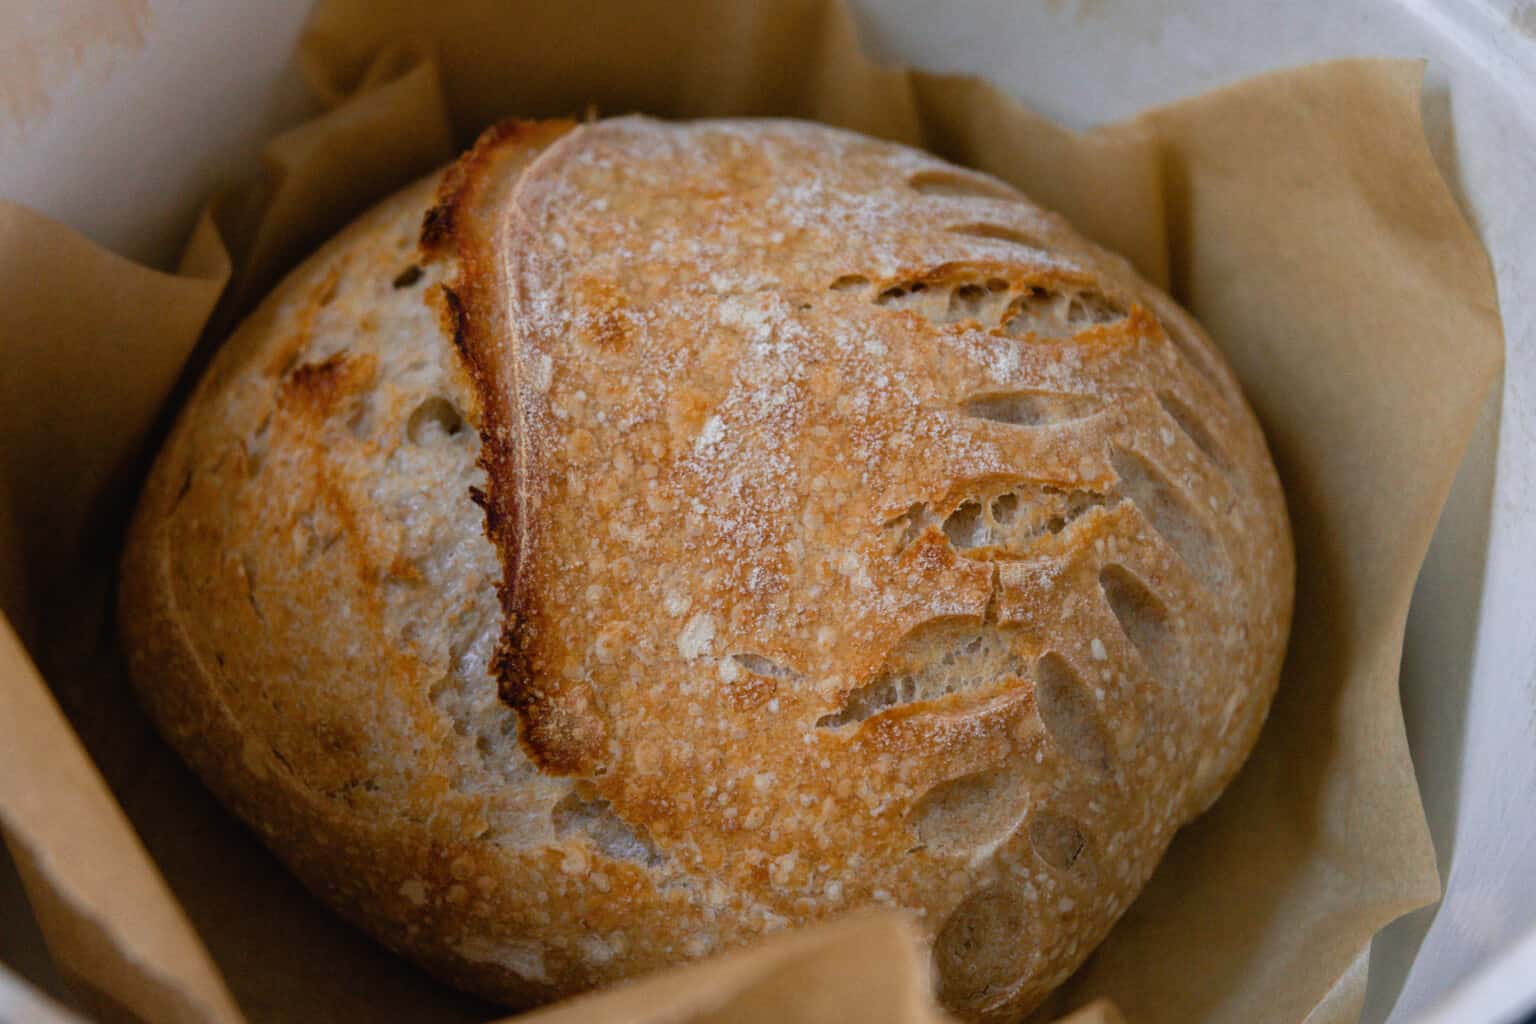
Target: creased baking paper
<point>1298,214</point>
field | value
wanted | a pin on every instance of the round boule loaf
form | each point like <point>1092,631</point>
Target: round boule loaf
<point>645,536</point>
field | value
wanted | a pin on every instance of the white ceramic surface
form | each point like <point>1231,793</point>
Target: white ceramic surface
<point>207,79</point>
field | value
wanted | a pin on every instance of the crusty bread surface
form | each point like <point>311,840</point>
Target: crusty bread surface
<point>645,536</point>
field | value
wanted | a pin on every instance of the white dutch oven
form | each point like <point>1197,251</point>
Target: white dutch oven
<point>210,79</point>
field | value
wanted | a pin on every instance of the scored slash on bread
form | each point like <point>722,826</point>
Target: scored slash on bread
<point>647,536</point>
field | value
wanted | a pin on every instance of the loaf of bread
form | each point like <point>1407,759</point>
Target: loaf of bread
<point>645,536</point>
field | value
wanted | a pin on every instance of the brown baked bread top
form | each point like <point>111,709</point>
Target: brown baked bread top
<point>645,536</point>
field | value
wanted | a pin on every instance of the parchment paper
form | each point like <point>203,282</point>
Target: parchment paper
<point>1298,215</point>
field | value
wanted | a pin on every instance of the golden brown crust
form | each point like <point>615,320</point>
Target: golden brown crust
<point>861,535</point>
